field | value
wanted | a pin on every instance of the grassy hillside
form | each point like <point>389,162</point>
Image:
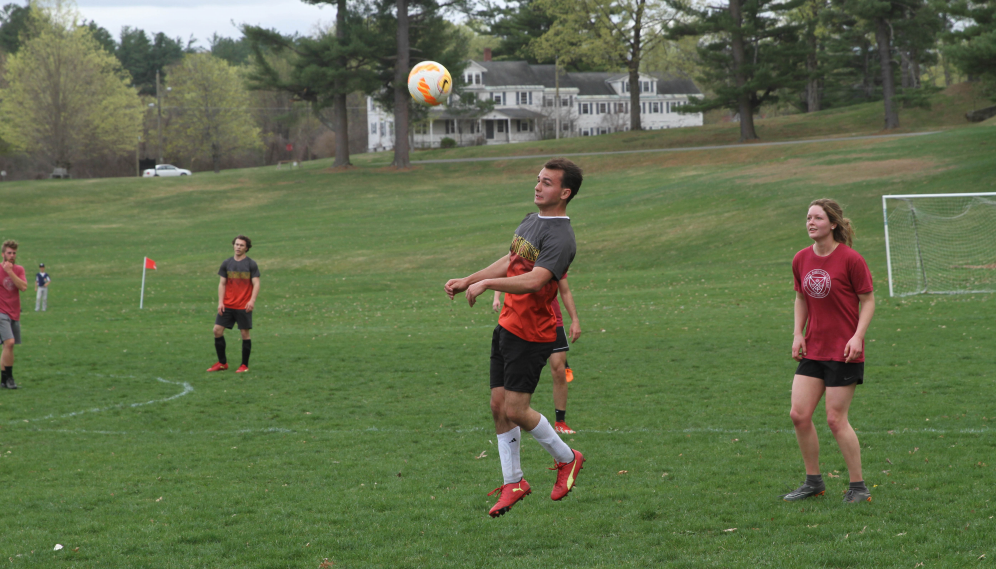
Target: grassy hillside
<point>362,433</point>
<point>947,110</point>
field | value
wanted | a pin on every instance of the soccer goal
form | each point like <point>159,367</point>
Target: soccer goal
<point>940,243</point>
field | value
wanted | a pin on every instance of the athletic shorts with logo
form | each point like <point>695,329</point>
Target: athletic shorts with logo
<point>516,364</point>
<point>833,373</point>
<point>561,345</point>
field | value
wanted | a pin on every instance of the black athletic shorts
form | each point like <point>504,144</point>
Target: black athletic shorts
<point>231,316</point>
<point>516,363</point>
<point>833,374</point>
<point>561,345</point>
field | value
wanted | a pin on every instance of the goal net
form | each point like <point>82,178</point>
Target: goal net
<point>940,243</point>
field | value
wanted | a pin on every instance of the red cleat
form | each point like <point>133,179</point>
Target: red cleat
<point>510,494</point>
<point>242,369</point>
<point>567,475</point>
<point>562,428</point>
<point>569,375</point>
<point>218,367</point>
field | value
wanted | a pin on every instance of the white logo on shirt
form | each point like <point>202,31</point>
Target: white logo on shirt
<point>8,284</point>
<point>817,283</point>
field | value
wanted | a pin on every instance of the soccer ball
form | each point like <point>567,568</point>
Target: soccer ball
<point>429,83</point>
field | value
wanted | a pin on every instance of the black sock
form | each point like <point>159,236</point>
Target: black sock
<point>219,346</point>
<point>246,350</point>
<point>4,374</point>
<point>814,479</point>
<point>560,415</point>
<point>859,485</point>
<point>567,365</point>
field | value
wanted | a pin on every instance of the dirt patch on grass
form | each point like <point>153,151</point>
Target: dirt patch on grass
<point>837,174</point>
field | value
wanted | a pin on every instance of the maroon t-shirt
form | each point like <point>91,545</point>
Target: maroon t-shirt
<point>831,286</point>
<point>10,297</point>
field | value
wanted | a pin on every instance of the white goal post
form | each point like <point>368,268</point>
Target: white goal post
<point>940,243</point>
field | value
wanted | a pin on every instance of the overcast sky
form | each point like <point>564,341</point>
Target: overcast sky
<point>202,18</point>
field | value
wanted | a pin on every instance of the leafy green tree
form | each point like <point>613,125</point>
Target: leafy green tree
<point>66,98</point>
<point>103,37</point>
<point>973,47</point>
<point>615,32</point>
<point>143,56</point>
<point>515,24</point>
<point>322,70</point>
<point>234,51</point>
<point>13,23</point>
<point>750,51</point>
<point>210,110</point>
<point>421,33</point>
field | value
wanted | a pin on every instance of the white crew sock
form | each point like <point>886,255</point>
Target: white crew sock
<point>508,452</point>
<point>548,439</point>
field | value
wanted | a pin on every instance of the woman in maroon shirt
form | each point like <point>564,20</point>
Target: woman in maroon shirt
<point>834,304</point>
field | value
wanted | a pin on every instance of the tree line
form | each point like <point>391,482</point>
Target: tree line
<point>237,93</point>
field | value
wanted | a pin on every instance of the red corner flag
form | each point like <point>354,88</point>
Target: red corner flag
<point>150,264</point>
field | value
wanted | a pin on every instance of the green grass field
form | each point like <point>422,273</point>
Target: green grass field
<point>362,433</point>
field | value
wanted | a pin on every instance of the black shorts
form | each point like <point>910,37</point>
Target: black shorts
<point>516,363</point>
<point>833,374</point>
<point>231,316</point>
<point>561,345</point>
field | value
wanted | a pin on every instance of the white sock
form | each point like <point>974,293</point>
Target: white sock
<point>548,439</point>
<point>508,452</point>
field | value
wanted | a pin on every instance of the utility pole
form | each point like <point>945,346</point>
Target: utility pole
<point>556,88</point>
<point>159,120</point>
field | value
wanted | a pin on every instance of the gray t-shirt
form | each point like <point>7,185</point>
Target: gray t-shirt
<point>546,242</point>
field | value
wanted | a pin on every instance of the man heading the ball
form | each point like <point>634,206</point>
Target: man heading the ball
<point>237,291</point>
<point>542,250</point>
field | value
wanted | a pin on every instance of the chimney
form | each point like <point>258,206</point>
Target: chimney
<point>487,54</point>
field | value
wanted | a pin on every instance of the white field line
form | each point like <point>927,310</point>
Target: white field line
<point>187,388</point>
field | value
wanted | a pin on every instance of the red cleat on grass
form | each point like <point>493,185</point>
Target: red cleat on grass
<point>510,494</point>
<point>567,475</point>
<point>562,428</point>
<point>242,369</point>
<point>569,375</point>
<point>218,367</point>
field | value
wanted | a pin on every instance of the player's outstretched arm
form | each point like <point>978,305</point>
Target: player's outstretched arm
<point>497,269</point>
<point>525,283</point>
<point>568,298</point>
<point>221,295</point>
<point>856,345</point>
<point>798,334</point>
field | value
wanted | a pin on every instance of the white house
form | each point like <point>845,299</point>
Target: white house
<point>526,107</point>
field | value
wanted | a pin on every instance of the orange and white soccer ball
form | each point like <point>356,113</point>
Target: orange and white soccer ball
<point>429,83</point>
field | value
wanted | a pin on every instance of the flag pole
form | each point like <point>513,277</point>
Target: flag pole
<point>141,300</point>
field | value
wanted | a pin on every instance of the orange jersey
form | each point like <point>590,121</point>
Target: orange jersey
<point>238,283</point>
<point>546,242</point>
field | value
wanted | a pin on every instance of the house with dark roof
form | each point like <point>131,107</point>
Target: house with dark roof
<point>533,102</point>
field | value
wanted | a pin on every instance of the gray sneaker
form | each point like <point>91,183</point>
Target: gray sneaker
<point>854,496</point>
<point>805,491</point>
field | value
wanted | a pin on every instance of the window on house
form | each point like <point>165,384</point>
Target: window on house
<point>501,126</point>
<point>625,87</point>
<point>390,128</point>
<point>585,108</point>
<point>383,129</point>
<point>373,128</point>
<point>565,102</point>
<point>477,79</point>
<point>584,132</point>
<point>603,130</point>
<point>548,101</point>
<point>565,126</point>
<point>603,108</point>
